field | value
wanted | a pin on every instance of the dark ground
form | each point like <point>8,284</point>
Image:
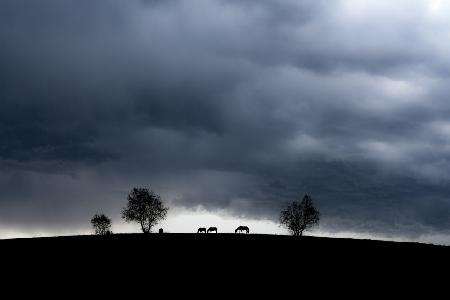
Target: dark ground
<point>226,258</point>
<point>224,248</point>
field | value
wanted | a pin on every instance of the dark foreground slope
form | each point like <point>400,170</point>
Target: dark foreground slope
<point>212,258</point>
<point>202,248</point>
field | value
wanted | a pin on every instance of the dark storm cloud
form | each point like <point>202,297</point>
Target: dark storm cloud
<point>226,104</point>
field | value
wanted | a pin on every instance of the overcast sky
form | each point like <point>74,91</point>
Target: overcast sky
<point>229,110</point>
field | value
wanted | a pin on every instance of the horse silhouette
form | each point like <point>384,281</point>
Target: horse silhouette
<point>211,229</point>
<point>201,229</point>
<point>242,229</point>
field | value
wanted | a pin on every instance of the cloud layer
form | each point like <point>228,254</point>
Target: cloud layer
<point>227,105</point>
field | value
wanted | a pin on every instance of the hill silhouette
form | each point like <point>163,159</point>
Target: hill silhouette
<point>225,247</point>
<point>216,259</point>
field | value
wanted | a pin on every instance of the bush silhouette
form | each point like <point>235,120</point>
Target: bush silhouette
<point>300,216</point>
<point>101,224</point>
<point>144,207</point>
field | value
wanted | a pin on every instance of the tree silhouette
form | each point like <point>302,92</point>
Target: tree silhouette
<point>101,224</point>
<point>300,216</point>
<point>144,207</point>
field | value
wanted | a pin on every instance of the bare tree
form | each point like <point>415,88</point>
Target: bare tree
<point>300,216</point>
<point>144,207</point>
<point>101,224</point>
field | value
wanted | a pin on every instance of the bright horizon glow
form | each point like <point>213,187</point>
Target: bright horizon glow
<point>188,221</point>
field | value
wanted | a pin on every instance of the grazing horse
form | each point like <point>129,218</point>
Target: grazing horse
<point>211,229</point>
<point>242,229</point>
<point>201,229</point>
